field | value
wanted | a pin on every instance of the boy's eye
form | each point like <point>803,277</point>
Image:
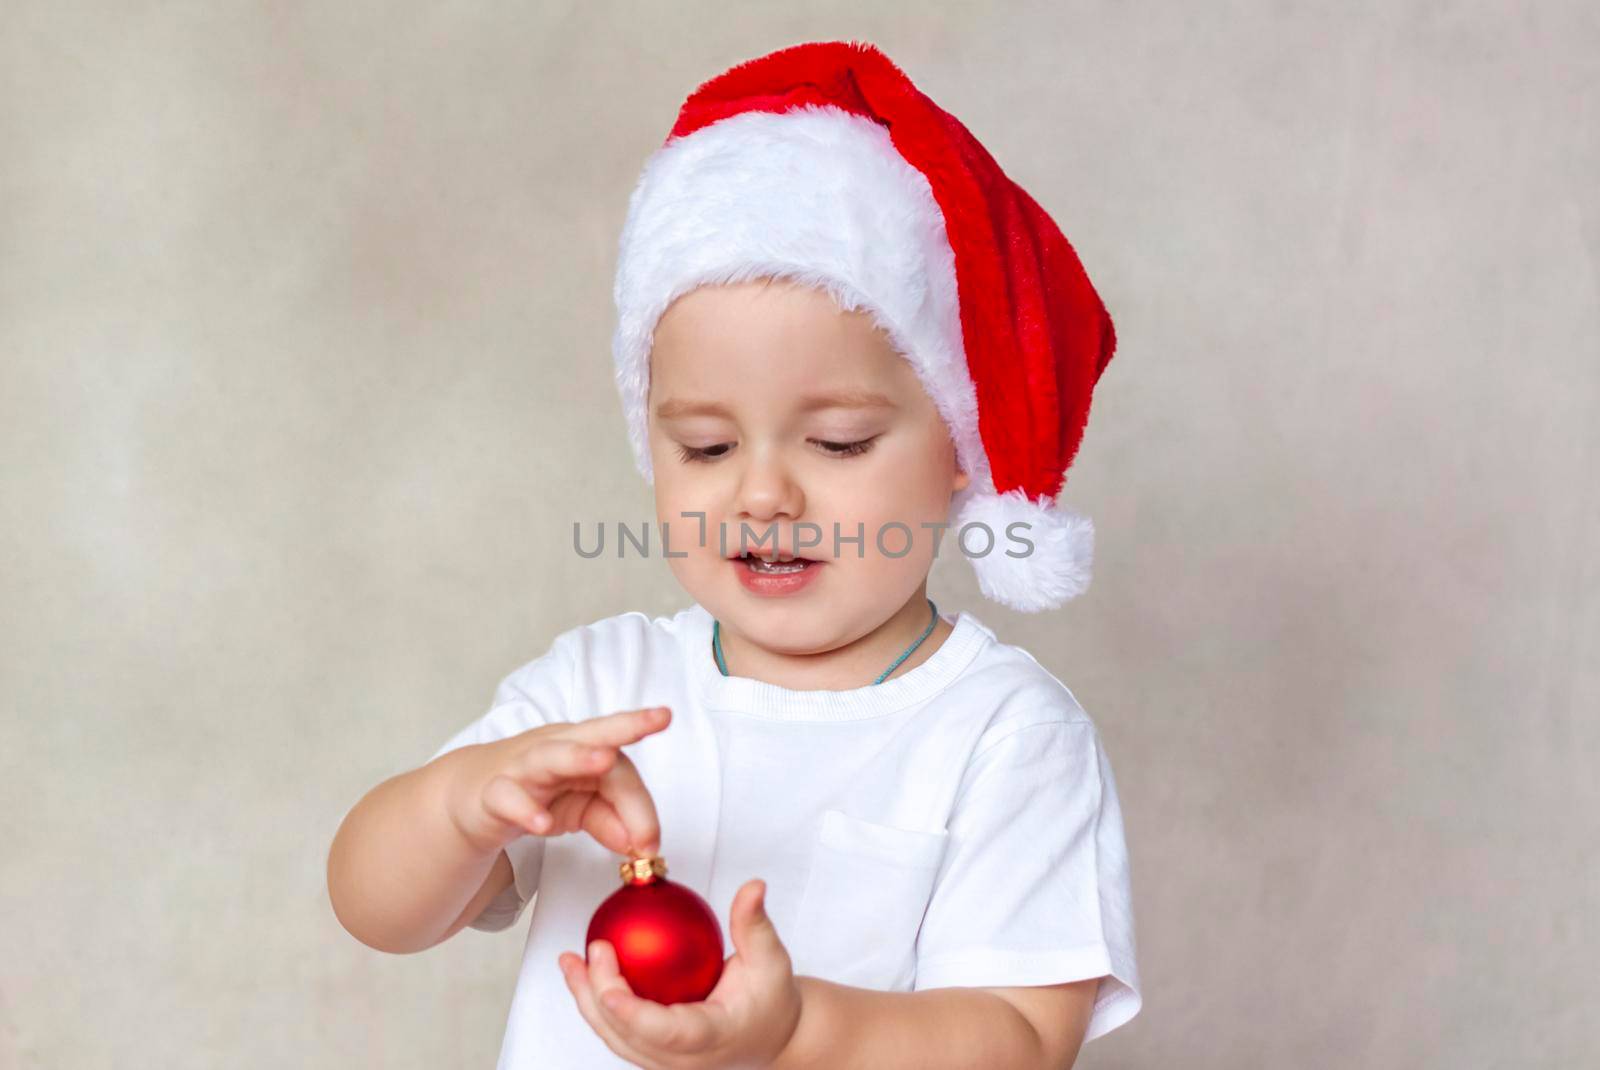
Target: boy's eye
<point>690,453</point>
<point>832,449</point>
<point>847,449</point>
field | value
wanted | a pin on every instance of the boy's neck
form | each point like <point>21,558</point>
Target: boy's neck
<point>844,668</point>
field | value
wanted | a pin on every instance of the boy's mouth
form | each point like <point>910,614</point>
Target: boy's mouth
<point>775,565</point>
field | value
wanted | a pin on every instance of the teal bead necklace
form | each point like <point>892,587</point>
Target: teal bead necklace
<point>716,644</point>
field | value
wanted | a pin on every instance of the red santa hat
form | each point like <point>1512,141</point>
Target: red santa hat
<point>823,164</point>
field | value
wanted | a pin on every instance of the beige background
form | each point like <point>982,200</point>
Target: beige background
<point>304,377</point>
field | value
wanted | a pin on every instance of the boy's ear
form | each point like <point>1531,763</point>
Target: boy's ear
<point>962,479</point>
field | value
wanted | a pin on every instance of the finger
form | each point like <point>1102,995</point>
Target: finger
<point>601,821</point>
<point>755,937</point>
<point>624,789</point>
<point>644,1022</point>
<point>507,801</point>
<point>579,983</point>
<point>617,729</point>
<point>551,762</point>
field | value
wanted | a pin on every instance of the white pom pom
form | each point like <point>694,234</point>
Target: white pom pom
<point>1055,570</point>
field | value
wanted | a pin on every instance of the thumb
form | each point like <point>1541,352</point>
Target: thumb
<point>754,934</point>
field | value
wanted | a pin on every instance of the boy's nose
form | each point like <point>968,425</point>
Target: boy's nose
<point>767,490</point>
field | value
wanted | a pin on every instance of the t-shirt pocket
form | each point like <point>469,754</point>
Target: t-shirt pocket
<point>868,887</point>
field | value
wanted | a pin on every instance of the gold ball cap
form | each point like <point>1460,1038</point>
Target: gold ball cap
<point>643,870</point>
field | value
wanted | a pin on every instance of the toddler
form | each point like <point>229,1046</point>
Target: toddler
<point>846,343</point>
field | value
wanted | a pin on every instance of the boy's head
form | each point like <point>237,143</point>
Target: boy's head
<point>815,223</point>
<point>783,420</point>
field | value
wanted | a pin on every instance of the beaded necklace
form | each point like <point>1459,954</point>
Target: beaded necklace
<point>716,644</point>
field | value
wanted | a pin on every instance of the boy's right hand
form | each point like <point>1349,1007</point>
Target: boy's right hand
<point>560,778</point>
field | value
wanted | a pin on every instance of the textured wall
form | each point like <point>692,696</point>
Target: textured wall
<point>304,316</point>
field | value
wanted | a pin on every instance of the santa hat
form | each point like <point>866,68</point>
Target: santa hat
<point>823,164</point>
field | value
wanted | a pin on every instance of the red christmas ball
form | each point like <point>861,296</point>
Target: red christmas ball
<point>667,939</point>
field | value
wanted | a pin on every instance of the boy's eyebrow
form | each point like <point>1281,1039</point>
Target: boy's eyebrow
<point>674,408</point>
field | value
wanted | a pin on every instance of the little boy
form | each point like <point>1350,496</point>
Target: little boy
<point>840,327</point>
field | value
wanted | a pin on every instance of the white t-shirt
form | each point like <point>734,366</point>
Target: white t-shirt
<point>957,825</point>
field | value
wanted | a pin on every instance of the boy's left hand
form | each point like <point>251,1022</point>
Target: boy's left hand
<point>746,1021</point>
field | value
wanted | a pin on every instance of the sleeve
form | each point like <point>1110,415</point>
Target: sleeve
<point>1034,887</point>
<point>535,694</point>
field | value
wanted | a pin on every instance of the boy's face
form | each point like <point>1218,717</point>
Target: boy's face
<point>736,433</point>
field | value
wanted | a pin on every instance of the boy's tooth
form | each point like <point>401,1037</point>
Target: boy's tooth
<point>797,565</point>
